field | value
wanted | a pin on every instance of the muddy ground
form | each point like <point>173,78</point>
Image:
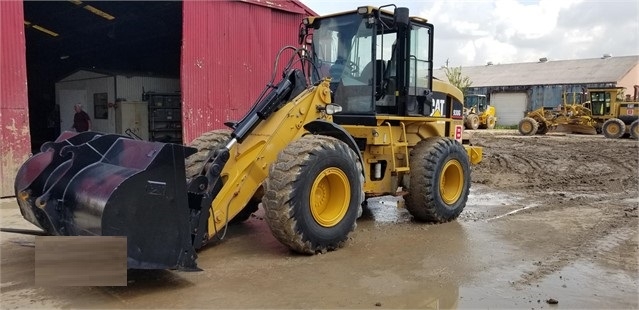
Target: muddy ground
<point>549,217</point>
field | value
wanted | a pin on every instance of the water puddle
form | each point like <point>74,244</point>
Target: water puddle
<point>581,285</point>
<point>387,209</point>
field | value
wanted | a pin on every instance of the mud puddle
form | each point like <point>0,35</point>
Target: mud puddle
<point>581,285</point>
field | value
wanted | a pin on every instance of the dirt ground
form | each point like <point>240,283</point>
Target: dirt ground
<point>549,218</point>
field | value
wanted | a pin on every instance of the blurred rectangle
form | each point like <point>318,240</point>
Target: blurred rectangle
<point>80,261</point>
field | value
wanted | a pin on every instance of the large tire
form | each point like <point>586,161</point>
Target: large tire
<point>634,129</point>
<point>472,121</point>
<point>613,128</point>
<point>314,194</point>
<point>439,180</point>
<point>528,126</point>
<point>491,122</point>
<point>205,144</point>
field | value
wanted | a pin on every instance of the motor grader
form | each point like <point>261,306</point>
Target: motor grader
<point>357,114</point>
<point>478,113</point>
<point>613,116</point>
<point>571,116</point>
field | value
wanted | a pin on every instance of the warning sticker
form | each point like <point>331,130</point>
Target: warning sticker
<point>458,133</point>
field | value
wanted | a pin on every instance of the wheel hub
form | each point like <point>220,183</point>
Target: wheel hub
<point>330,197</point>
<point>451,182</point>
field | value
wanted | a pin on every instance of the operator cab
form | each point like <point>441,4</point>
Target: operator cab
<point>380,63</point>
<point>476,101</point>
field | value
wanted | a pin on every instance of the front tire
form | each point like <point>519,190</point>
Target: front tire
<point>314,193</point>
<point>439,180</point>
<point>528,126</point>
<point>613,128</point>
<point>491,122</point>
<point>205,144</point>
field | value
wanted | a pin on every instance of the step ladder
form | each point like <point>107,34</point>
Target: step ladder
<point>401,142</point>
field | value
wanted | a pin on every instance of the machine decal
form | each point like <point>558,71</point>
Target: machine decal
<point>458,133</point>
<point>437,106</point>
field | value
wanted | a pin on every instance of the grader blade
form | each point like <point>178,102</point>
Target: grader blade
<point>111,185</point>
<point>576,128</point>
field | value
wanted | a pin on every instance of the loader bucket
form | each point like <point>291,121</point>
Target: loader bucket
<point>111,185</point>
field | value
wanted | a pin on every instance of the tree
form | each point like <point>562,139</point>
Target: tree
<point>456,78</point>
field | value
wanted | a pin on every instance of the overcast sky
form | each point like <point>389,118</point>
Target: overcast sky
<point>474,32</point>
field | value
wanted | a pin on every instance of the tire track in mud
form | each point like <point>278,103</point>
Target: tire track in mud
<point>557,162</point>
<point>567,174</point>
<point>599,243</point>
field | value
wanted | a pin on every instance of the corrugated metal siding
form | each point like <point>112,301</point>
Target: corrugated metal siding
<point>15,144</point>
<point>228,52</point>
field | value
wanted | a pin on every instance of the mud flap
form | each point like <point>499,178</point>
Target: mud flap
<point>111,185</point>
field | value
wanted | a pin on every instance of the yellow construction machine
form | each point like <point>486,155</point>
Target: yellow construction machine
<point>572,116</point>
<point>614,117</point>
<point>478,113</point>
<point>357,114</point>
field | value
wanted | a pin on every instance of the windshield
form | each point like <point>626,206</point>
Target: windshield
<point>361,54</point>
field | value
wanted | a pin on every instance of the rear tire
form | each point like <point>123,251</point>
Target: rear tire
<point>314,194</point>
<point>634,129</point>
<point>472,121</point>
<point>528,126</point>
<point>439,180</point>
<point>613,128</point>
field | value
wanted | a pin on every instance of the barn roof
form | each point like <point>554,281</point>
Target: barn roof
<point>551,72</point>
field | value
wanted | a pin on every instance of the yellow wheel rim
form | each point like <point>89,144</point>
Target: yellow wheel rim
<point>451,181</point>
<point>613,129</point>
<point>330,197</point>
<point>526,127</point>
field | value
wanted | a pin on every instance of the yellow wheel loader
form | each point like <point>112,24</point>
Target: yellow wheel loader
<point>478,113</point>
<point>357,114</point>
<point>614,117</point>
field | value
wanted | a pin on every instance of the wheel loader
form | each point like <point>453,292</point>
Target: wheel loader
<point>356,114</point>
<point>478,113</point>
<point>614,117</point>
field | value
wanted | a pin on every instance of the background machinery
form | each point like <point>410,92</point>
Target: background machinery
<point>357,114</point>
<point>614,117</point>
<point>478,113</point>
<point>571,116</point>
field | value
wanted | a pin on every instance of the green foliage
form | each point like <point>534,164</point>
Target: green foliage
<point>457,79</point>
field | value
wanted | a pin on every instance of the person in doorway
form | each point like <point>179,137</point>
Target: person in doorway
<point>81,120</point>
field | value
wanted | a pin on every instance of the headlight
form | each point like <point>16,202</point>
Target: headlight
<point>333,108</point>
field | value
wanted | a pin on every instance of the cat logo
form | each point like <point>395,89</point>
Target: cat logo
<point>437,107</point>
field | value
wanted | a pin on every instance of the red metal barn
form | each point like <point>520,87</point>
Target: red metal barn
<point>15,144</point>
<point>228,54</point>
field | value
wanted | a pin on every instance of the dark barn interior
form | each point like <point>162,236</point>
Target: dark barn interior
<point>64,36</point>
